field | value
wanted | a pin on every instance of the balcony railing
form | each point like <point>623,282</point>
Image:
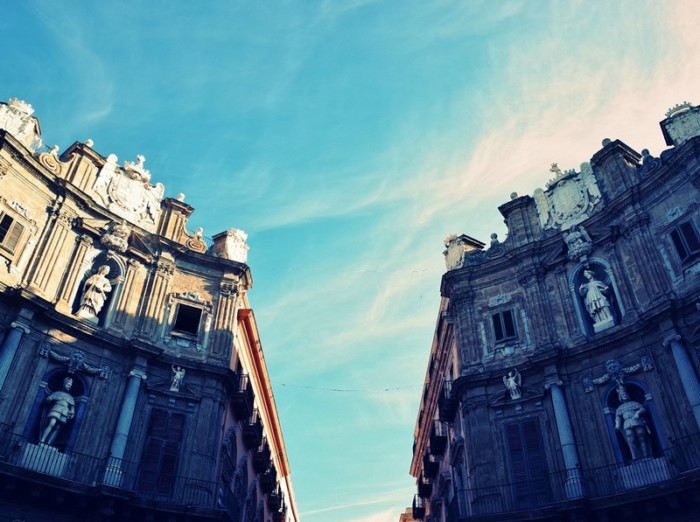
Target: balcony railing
<point>558,487</point>
<point>438,437</point>
<point>242,397</point>
<point>447,403</point>
<point>17,452</point>
<point>253,431</point>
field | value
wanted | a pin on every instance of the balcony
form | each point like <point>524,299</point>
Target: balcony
<point>431,465</point>
<point>268,480</point>
<point>242,396</point>
<point>438,437</point>
<point>447,403</point>
<point>425,487</point>
<point>261,457</point>
<point>253,431</point>
<point>644,485</point>
<point>275,499</point>
<point>418,509</point>
<point>28,469</point>
<point>281,514</point>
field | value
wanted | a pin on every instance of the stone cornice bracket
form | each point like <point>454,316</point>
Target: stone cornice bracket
<point>616,372</point>
<point>21,326</point>
<point>75,361</point>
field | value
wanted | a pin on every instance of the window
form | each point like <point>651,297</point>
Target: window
<point>10,233</point>
<point>187,320</point>
<point>528,465</point>
<point>160,453</point>
<point>685,239</point>
<point>504,326</point>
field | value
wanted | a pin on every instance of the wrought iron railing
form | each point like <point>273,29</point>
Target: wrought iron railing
<point>552,488</point>
<point>20,452</point>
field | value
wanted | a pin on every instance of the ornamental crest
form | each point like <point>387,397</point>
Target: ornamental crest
<point>569,199</point>
<point>127,193</point>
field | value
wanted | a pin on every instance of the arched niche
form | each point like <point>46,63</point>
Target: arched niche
<point>638,399</point>
<point>115,276</point>
<point>36,422</point>
<point>596,296</point>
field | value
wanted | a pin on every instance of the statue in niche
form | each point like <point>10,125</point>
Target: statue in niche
<point>61,409</point>
<point>594,294</point>
<point>95,294</point>
<point>512,381</point>
<point>178,377</point>
<point>630,421</point>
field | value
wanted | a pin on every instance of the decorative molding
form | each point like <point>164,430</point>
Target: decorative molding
<point>75,360</point>
<point>616,372</point>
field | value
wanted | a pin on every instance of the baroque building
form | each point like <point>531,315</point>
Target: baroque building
<point>132,381</point>
<point>563,374</point>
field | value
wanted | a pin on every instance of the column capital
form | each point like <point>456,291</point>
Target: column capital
<point>552,382</point>
<point>19,325</point>
<point>141,374</point>
<point>669,338</point>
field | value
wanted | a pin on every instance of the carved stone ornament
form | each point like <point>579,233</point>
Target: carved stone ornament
<point>16,118</point>
<point>231,245</point>
<point>513,382</point>
<point>682,123</point>
<point>578,243</point>
<point>196,242</point>
<point>127,193</point>
<point>50,160</point>
<point>569,199</point>
<point>454,252</point>
<point>616,372</point>
<point>75,361</point>
<point>116,237</point>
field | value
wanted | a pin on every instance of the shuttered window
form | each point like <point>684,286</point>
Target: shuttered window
<point>528,465</point>
<point>10,233</point>
<point>160,454</point>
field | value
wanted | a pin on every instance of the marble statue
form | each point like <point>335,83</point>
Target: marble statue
<point>178,377</point>
<point>512,381</point>
<point>594,297</point>
<point>629,419</point>
<point>95,293</point>
<point>61,409</point>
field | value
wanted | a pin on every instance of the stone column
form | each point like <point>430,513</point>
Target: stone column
<point>9,348</point>
<point>114,472</point>
<point>573,485</point>
<point>688,377</point>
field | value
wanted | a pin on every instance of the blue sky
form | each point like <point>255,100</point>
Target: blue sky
<point>348,139</point>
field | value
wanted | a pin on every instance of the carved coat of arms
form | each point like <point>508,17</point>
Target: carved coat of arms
<point>569,198</point>
<point>126,192</point>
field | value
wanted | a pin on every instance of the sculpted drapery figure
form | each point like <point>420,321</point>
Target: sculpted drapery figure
<point>95,293</point>
<point>594,297</point>
<point>178,377</point>
<point>61,408</point>
<point>512,382</point>
<point>630,421</point>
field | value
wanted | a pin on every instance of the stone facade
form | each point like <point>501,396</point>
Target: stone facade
<point>563,379</point>
<point>168,413</point>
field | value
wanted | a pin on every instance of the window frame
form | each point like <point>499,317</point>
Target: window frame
<point>499,323</point>
<point>15,252</point>
<point>185,338</point>
<point>680,234</point>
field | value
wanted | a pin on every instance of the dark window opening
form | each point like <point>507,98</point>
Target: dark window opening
<point>528,465</point>
<point>187,320</point>
<point>504,326</point>
<point>685,239</point>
